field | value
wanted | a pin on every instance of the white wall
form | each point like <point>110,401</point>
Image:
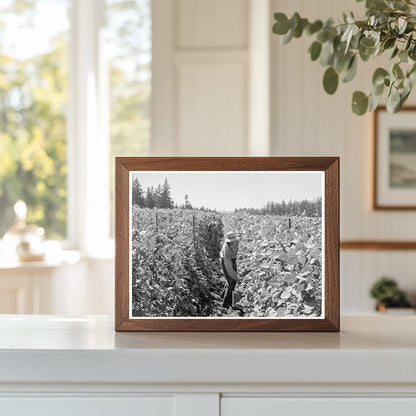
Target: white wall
<point>200,76</point>
<point>308,122</point>
<point>211,92</point>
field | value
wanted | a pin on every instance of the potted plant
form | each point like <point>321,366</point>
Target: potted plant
<point>387,294</point>
<point>389,27</point>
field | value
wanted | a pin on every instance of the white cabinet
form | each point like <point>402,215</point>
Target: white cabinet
<point>80,366</point>
<point>88,406</point>
<point>270,406</point>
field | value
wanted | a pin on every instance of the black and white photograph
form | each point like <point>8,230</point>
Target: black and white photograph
<point>226,244</point>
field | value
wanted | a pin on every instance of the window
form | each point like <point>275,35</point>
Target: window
<point>75,87</point>
<point>33,98</point>
<point>129,43</point>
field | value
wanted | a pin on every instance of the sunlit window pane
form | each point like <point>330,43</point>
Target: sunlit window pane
<point>33,102</point>
<point>129,45</point>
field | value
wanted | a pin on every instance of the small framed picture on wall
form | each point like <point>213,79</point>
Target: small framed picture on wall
<point>394,159</point>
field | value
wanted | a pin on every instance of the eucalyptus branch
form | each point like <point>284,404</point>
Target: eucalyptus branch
<point>389,25</point>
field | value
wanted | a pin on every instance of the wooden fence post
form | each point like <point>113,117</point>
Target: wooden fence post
<point>157,222</point>
<point>193,225</point>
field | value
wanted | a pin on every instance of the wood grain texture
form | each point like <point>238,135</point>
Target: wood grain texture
<point>378,245</point>
<point>376,204</point>
<point>122,245</point>
<point>329,165</point>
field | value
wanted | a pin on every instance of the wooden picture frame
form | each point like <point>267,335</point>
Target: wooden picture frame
<point>394,146</point>
<point>252,169</point>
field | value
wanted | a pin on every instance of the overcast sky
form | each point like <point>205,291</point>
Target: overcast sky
<point>226,191</point>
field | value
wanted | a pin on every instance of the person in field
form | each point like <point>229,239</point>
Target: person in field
<point>228,255</point>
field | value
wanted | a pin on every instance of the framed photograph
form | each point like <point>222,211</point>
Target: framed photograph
<point>227,244</point>
<point>394,180</point>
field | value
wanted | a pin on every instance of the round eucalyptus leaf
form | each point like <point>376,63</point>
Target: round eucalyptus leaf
<point>288,37</point>
<point>341,61</point>
<point>395,52</point>
<point>378,89</point>
<point>327,53</point>
<point>397,71</point>
<point>404,57</point>
<point>351,71</point>
<point>389,43</point>
<point>281,27</point>
<point>403,96</point>
<point>314,27</point>
<point>374,102</point>
<point>379,75</point>
<point>367,42</point>
<point>315,50</point>
<point>359,103</point>
<point>330,80</point>
<point>393,101</point>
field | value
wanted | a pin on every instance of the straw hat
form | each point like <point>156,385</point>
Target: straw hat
<point>231,236</point>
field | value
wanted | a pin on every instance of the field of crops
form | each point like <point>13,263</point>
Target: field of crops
<point>280,267</point>
<point>176,269</point>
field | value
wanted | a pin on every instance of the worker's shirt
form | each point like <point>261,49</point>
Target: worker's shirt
<point>229,256</point>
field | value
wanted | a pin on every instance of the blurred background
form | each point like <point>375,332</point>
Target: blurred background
<point>83,81</point>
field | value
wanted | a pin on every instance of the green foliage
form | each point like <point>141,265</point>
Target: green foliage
<point>388,27</point>
<point>386,291</point>
<point>33,101</point>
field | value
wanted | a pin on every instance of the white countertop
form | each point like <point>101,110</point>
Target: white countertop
<point>50,349</point>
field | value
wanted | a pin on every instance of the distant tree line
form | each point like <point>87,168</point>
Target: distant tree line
<point>156,197</point>
<point>303,208</point>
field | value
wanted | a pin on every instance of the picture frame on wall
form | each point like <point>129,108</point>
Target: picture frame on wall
<point>227,244</point>
<point>394,159</point>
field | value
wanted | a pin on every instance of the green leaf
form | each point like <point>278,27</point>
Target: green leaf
<point>327,53</point>
<point>408,42</point>
<point>378,89</point>
<point>341,61</point>
<point>374,101</point>
<point>389,43</point>
<point>367,42</point>
<point>376,4</point>
<point>359,103</point>
<point>403,56</point>
<point>281,27</point>
<point>330,80</point>
<point>379,75</point>
<point>397,71</point>
<point>351,71</point>
<point>395,52</point>
<point>294,20</point>
<point>393,101</point>
<point>288,37</point>
<point>314,27</point>
<point>298,30</point>
<point>315,50</point>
